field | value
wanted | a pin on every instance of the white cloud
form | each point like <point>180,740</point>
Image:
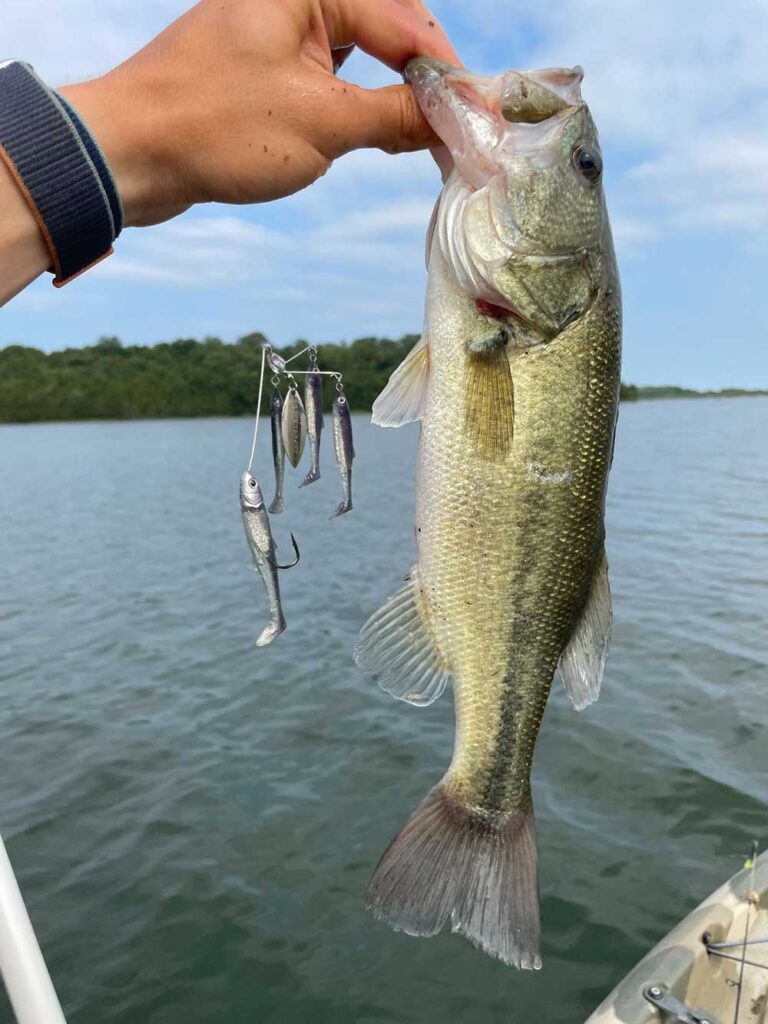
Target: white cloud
<point>679,91</point>
<point>36,300</point>
<point>319,263</point>
<point>707,184</point>
<point>72,39</point>
<point>122,268</point>
<point>681,87</point>
<point>630,232</point>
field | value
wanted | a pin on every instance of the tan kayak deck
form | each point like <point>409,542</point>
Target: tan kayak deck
<point>700,979</point>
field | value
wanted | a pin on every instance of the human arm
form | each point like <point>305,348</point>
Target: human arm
<point>23,254</point>
<point>236,102</point>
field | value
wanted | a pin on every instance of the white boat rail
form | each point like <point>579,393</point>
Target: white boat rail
<point>22,966</point>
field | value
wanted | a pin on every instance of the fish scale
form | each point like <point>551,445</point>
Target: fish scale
<point>511,587</point>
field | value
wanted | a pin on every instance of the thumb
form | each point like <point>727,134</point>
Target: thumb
<point>387,118</point>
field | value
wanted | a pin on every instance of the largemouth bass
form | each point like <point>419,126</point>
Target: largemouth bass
<point>263,551</point>
<point>345,450</point>
<point>313,396</point>
<point>516,384</point>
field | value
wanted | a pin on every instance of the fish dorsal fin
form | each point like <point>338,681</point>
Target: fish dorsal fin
<point>397,647</point>
<point>401,400</point>
<point>583,659</point>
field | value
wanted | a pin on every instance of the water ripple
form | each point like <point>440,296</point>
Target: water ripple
<point>194,821</point>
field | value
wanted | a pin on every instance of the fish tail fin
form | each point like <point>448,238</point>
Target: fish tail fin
<point>477,869</point>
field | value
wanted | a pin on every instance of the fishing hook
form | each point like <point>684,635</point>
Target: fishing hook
<point>296,559</point>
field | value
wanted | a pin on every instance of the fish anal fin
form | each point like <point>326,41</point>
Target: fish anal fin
<point>489,404</point>
<point>396,646</point>
<point>583,659</point>
<point>401,400</point>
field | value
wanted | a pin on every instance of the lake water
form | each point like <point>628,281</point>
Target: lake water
<point>193,821</point>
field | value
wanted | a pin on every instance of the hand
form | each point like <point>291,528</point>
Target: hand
<point>236,102</point>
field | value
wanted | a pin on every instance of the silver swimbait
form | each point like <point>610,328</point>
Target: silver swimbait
<point>294,426</point>
<point>278,449</point>
<point>313,395</point>
<point>345,451</point>
<point>259,536</point>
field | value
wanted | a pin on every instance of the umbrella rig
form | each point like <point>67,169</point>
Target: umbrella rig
<point>293,423</point>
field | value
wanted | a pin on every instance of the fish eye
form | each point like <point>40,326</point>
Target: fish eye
<point>588,162</point>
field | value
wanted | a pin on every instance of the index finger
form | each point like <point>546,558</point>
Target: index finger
<point>392,31</point>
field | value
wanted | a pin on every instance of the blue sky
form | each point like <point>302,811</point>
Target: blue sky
<point>679,91</point>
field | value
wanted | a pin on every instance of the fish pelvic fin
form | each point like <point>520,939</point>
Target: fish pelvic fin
<point>477,869</point>
<point>396,646</point>
<point>582,662</point>
<point>401,400</point>
<point>489,405</point>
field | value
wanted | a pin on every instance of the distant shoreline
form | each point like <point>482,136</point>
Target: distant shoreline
<point>656,395</point>
<point>641,393</point>
<point>191,378</point>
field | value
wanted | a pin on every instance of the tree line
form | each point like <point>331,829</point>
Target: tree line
<point>186,377</point>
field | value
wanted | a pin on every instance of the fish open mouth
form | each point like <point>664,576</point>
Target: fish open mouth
<point>502,237</point>
<point>526,97</point>
<point>475,116</point>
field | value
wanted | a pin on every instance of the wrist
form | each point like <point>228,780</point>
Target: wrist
<point>60,172</point>
<point>23,252</point>
<point>124,123</point>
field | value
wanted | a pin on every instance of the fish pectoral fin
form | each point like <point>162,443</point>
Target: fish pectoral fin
<point>401,400</point>
<point>583,659</point>
<point>489,401</point>
<point>397,647</point>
